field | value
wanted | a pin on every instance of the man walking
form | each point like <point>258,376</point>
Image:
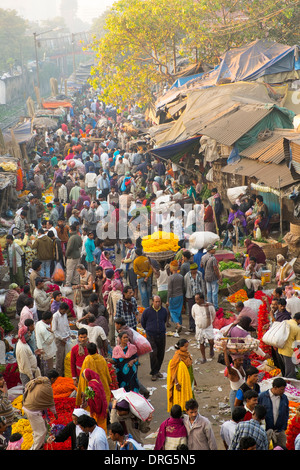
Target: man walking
<point>153,321</point>
<point>73,254</point>
<point>212,275</point>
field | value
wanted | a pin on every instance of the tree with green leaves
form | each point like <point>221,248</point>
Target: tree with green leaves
<point>138,54</point>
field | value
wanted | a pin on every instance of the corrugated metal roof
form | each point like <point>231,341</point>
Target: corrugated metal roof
<point>254,151</point>
<point>295,148</point>
<point>229,129</point>
<point>265,173</point>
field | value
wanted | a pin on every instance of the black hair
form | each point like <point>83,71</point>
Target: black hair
<point>82,331</point>
<point>279,382</point>
<point>52,374</point>
<point>246,442</point>
<point>260,411</point>
<point>191,404</point>
<point>64,306</point>
<point>176,411</point>
<point>86,421</point>
<point>238,413</point>
<point>117,428</point>
<point>120,321</point>
<point>181,343</point>
<point>250,394</point>
<point>251,370</point>
<point>92,348</point>
<point>47,315</point>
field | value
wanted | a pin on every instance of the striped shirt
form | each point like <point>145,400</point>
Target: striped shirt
<point>251,428</point>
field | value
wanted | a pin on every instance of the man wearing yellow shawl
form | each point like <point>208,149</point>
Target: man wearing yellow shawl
<point>285,274</point>
<point>180,377</point>
<point>98,364</point>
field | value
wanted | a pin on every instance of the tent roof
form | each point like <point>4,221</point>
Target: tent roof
<point>265,173</point>
<point>225,113</point>
<point>249,62</point>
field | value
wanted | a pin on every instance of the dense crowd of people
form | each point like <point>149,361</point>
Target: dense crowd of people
<point>93,192</point>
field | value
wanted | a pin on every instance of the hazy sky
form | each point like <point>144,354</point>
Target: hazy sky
<point>43,9</point>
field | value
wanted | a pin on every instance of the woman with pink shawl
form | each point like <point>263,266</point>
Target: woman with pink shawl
<point>125,358</point>
<point>172,432</point>
<point>104,261</point>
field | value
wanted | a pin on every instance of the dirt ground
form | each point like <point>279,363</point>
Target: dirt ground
<point>211,392</point>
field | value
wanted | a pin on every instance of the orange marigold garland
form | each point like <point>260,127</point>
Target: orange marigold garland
<point>63,387</point>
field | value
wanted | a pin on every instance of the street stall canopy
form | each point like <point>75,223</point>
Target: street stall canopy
<point>268,174</point>
<point>254,61</point>
<point>231,113</point>
<point>22,132</point>
<point>56,104</point>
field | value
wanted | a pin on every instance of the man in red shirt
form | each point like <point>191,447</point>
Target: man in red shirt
<point>78,354</point>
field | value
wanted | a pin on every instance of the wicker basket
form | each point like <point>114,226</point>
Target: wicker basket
<point>160,255</point>
<point>271,250</point>
<point>237,286</point>
<point>236,345</point>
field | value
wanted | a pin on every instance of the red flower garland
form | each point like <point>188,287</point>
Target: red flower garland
<point>292,431</point>
<point>64,408</point>
<point>262,320</point>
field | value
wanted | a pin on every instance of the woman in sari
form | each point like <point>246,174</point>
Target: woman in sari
<point>125,357</point>
<point>96,363</point>
<point>180,376</point>
<point>94,398</point>
<point>236,214</point>
<point>107,285</point>
<point>254,251</point>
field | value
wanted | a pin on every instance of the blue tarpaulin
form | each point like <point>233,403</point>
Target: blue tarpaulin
<point>183,80</point>
<point>175,151</point>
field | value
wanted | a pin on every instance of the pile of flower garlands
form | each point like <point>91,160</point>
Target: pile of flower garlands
<point>293,428</point>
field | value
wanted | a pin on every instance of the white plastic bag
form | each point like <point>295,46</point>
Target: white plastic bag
<point>277,335</point>
<point>138,404</point>
<point>234,193</point>
<point>199,240</point>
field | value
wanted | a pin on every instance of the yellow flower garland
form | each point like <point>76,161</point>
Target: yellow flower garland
<point>23,427</point>
<point>160,241</point>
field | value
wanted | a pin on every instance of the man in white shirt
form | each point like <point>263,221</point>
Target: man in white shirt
<point>45,340</point>
<point>252,303</point>
<point>105,162</point>
<point>292,303</point>
<point>228,427</point>
<point>62,333</point>
<point>97,435</point>
<point>96,333</point>
<point>91,183</point>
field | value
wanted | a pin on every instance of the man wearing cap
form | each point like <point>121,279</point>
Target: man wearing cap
<point>193,284</point>
<point>212,275</point>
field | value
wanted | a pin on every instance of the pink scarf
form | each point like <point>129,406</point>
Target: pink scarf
<point>118,352</point>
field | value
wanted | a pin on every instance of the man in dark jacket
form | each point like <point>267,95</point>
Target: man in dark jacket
<point>73,254</point>
<point>277,405</point>
<point>153,321</point>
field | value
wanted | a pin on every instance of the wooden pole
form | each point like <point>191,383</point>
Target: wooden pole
<point>280,204</point>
